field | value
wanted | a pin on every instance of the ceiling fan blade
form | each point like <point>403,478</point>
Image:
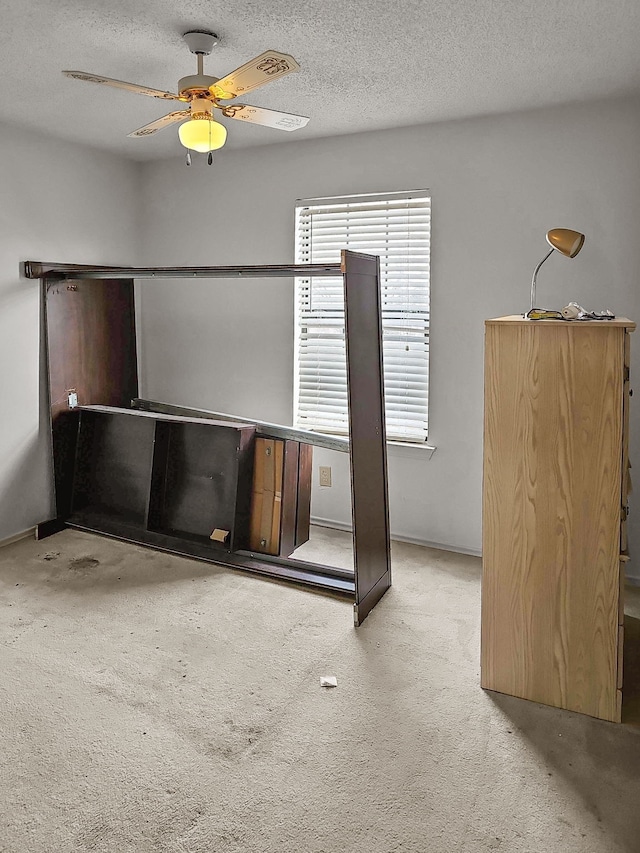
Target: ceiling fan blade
<point>268,118</point>
<point>159,123</point>
<point>120,84</point>
<point>270,65</point>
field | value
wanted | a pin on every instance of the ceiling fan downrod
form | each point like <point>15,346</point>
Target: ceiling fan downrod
<point>198,85</point>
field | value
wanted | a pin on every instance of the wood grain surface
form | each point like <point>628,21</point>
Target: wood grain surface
<point>266,498</point>
<point>91,350</point>
<point>303,516</point>
<point>553,439</point>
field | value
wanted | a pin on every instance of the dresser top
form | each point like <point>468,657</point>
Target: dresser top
<point>519,318</point>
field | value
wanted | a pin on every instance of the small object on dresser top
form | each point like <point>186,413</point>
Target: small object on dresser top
<point>544,314</point>
<point>573,311</point>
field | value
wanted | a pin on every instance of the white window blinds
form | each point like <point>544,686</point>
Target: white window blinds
<point>395,226</point>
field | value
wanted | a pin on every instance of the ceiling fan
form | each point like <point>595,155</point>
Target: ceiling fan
<point>203,94</point>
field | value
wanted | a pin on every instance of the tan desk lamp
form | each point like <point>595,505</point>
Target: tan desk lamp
<point>562,240</point>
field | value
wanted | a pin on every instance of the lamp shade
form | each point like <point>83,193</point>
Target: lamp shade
<point>201,134</point>
<point>565,241</point>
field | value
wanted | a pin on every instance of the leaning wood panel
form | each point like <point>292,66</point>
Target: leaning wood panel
<point>551,513</point>
<point>368,452</point>
<point>91,350</point>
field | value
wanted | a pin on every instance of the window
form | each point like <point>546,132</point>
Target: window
<point>395,226</point>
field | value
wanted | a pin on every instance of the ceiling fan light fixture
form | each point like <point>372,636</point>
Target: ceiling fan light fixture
<point>199,132</point>
<point>202,134</point>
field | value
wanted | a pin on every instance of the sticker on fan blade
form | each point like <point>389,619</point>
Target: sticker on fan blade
<point>267,118</point>
<point>270,65</point>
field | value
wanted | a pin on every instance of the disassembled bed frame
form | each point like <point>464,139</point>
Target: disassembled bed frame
<point>92,375</point>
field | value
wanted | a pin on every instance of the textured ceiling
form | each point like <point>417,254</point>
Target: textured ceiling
<point>365,64</point>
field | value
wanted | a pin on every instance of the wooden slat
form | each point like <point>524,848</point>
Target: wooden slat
<point>278,462</point>
<point>551,513</point>
<point>289,498</point>
<point>303,518</point>
<point>266,498</point>
<point>246,459</point>
<point>268,491</point>
<point>257,496</point>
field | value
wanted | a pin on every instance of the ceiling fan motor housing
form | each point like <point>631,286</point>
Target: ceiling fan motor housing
<point>196,86</point>
<point>201,108</point>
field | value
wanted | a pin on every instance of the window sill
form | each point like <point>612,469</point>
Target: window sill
<point>410,449</point>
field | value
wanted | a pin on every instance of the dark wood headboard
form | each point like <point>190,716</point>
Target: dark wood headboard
<point>91,352</point>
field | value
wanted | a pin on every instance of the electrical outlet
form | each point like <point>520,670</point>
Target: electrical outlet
<point>325,475</point>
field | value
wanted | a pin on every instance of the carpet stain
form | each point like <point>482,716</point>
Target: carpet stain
<point>240,739</point>
<point>83,564</point>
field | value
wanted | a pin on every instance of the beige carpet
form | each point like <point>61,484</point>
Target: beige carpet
<point>152,703</point>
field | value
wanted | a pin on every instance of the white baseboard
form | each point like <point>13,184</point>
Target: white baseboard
<point>440,546</point>
<point>31,532</point>
<point>327,522</point>
<point>457,549</point>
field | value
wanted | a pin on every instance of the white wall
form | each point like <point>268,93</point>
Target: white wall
<point>498,184</point>
<point>58,202</point>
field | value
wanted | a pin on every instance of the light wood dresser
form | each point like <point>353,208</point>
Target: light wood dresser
<point>555,491</point>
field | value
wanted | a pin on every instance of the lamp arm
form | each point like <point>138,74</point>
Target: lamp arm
<point>535,275</point>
